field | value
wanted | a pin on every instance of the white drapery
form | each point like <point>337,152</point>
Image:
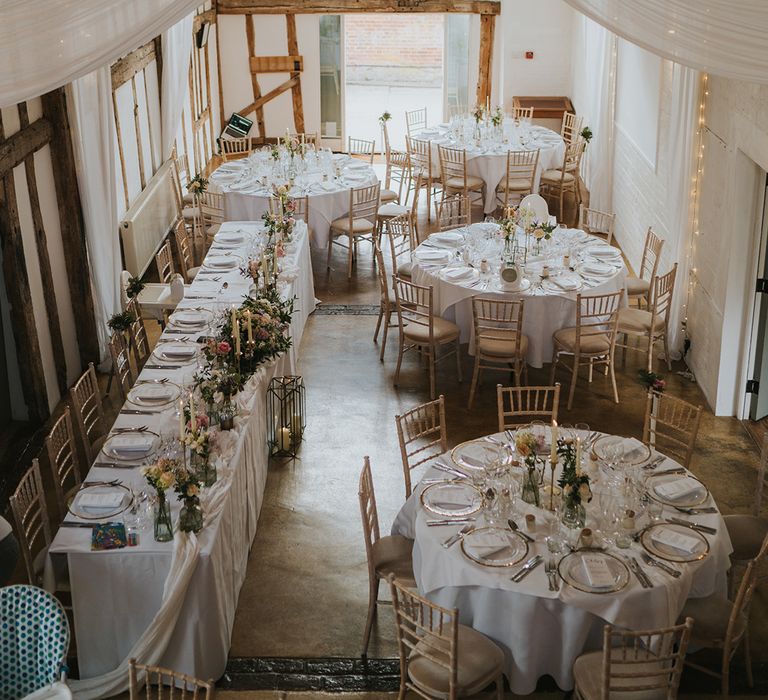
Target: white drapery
<point>177,45</point>
<point>45,44</point>
<point>593,74</point>
<point>90,109</point>
<point>716,36</point>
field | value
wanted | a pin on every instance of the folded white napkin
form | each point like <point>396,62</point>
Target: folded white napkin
<point>100,501</point>
<point>154,393</point>
<point>489,544</point>
<point>604,251</point>
<point>597,572</point>
<point>634,449</point>
<point>328,186</point>
<point>427,254</point>
<point>678,489</point>
<point>597,268</point>
<point>188,318</point>
<point>449,238</point>
<point>129,444</point>
<point>179,351</point>
<point>452,500</point>
<point>458,273</point>
<point>676,540</point>
<point>231,238</point>
<point>566,283</point>
<point>222,263</point>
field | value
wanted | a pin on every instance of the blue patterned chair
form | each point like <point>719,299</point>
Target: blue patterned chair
<point>34,638</point>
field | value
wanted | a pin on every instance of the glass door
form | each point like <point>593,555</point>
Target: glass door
<point>331,81</point>
<point>456,65</point>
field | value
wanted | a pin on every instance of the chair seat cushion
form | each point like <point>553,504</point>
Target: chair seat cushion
<point>479,663</point>
<point>359,226</point>
<point>188,199</point>
<point>637,287</point>
<point>192,273</point>
<point>502,347</point>
<point>747,533</point>
<point>554,176</point>
<point>590,344</point>
<point>404,269</point>
<point>391,210</point>
<point>393,554</point>
<point>190,213</point>
<point>588,676</point>
<point>388,196</point>
<point>213,229</point>
<point>710,618</point>
<point>638,321</point>
<point>443,331</point>
<point>515,185</point>
<point>457,183</point>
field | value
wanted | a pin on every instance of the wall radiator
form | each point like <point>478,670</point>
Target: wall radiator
<point>148,221</point>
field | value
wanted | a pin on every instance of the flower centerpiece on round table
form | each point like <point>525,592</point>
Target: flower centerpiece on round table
<point>161,477</point>
<point>528,446</point>
<point>575,485</point>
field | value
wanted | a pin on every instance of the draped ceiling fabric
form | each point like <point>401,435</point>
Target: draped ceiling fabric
<point>177,46</point>
<point>723,37</point>
<point>45,44</point>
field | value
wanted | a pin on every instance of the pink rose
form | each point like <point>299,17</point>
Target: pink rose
<point>261,334</point>
<point>224,347</point>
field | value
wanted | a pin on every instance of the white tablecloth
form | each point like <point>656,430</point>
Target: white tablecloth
<point>543,632</point>
<point>121,596</point>
<point>489,161</point>
<point>246,198</point>
<point>547,309</point>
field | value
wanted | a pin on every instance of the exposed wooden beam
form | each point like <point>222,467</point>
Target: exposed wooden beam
<point>72,226</point>
<point>222,116</point>
<point>208,16</point>
<point>250,35</point>
<point>293,50</point>
<point>126,67</point>
<point>120,151</point>
<point>279,90</point>
<point>277,64</point>
<point>16,148</point>
<point>487,24</point>
<point>137,130</point>
<point>329,7</point>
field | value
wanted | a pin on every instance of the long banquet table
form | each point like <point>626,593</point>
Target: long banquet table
<point>174,603</point>
<point>542,632</point>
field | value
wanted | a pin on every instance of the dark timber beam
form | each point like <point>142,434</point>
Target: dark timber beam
<point>329,7</point>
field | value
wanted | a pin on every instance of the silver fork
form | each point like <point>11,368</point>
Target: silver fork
<point>453,539</point>
<point>549,571</point>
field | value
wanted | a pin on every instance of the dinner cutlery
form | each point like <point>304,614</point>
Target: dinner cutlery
<point>640,575</point>
<point>116,465</point>
<point>162,366</point>
<point>190,296</point>
<point>153,381</point>
<point>526,569</point>
<point>114,482</point>
<point>696,511</point>
<point>441,466</point>
<point>495,440</point>
<point>450,521</point>
<point>453,539</point>
<point>658,459</point>
<point>552,575</point>
<point>513,526</point>
<point>648,559</point>
<point>129,429</point>
<point>510,435</point>
<point>666,472</point>
<point>694,526</point>
<point>138,412</point>
<point>68,523</point>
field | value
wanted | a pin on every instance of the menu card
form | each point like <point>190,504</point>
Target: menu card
<point>597,571</point>
<point>677,489</point>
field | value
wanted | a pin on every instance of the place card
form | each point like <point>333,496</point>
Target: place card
<point>683,543</point>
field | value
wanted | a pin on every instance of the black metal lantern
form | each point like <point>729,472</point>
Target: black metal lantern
<point>286,405</point>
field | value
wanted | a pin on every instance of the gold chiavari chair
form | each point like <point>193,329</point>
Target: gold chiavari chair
<point>184,251</point>
<point>210,217</point>
<point>390,554</point>
<point>89,412</point>
<point>453,173</point>
<point>234,148</point>
<point>300,211</point>
<point>454,211</point>
<point>421,330</point>
<point>310,138</point>
<point>636,664</point>
<point>592,340</point>
<point>723,624</point>
<point>522,113</point>
<point>397,167</point>
<point>423,173</point>
<point>362,149</point>
<point>519,178</point>
<point>64,460</point>
<point>386,304</point>
<point>392,210</point>
<point>422,436</point>
<point>181,177</point>
<point>164,262</point>
<point>402,235</point>
<point>596,222</point>
<point>137,335</point>
<point>652,324</point>
<point>499,339</point>
<point>416,120</point>
<point>558,182</point>
<point>518,405</point>
<point>570,128</point>
<point>639,287</point>
<point>121,363</point>
<point>440,658</point>
<point>358,224</point>
<point>163,684</point>
<point>671,426</point>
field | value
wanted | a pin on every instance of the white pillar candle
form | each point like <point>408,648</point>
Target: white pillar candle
<point>192,417</point>
<point>236,331</point>
<point>181,420</point>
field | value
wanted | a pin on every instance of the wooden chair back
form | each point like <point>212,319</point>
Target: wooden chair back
<point>498,319</point>
<point>64,459</point>
<point>595,221</point>
<point>741,603</point>
<point>518,405</point>
<point>662,291</point>
<point>310,138</point>
<point>363,149</point>
<point>364,204</point>
<point>402,237</point>
<point>521,174</point>
<point>164,262</point>
<point>381,275</point>
<point>671,426</point>
<point>232,148</point>
<point>415,120</point>
<point>33,528</point>
<point>420,155</point>
<point>368,513</point>
<point>164,684</point>
<point>649,263</point>
<point>300,207</point>
<point>422,436</point>
<point>453,163</point>
<point>570,129</point>
<point>88,410</point>
<point>596,317</point>
<point>183,249</point>
<point>414,306</point>
<point>455,210</point>
<point>649,661</point>
<point>121,363</point>
<point>211,207</point>
<point>522,113</point>
<point>427,630</point>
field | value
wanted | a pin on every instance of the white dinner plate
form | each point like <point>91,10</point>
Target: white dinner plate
<point>100,501</point>
<point>448,239</point>
<point>494,546</point>
<point>459,275</point>
<point>222,262</point>
<point>598,268</point>
<point>153,393</point>
<point>176,353</point>
<point>229,237</point>
<point>603,251</point>
<point>431,255</point>
<point>561,284</point>
<point>190,319</point>
<point>131,445</point>
<point>452,499</point>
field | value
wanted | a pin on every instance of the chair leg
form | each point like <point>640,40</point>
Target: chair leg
<point>591,367</point>
<point>666,352</point>
<point>500,687</point>
<point>748,659</point>
<point>562,202</point>
<point>373,596</point>
<point>349,258</point>
<point>431,360</point>
<point>458,360</point>
<point>650,353</point>
<point>378,323</point>
<point>475,378</point>
<point>330,248</point>
<point>555,358</point>
<point>386,331</point>
<point>574,377</point>
<point>613,379</point>
<point>624,350</point>
<point>399,360</point>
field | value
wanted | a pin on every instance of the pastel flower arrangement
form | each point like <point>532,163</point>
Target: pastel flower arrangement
<point>497,117</point>
<point>197,184</point>
<point>529,446</point>
<point>161,475</point>
<point>573,480</point>
<point>478,113</point>
<point>187,484</point>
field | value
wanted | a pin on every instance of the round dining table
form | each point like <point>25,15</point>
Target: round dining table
<point>324,177</point>
<point>451,262</point>
<point>542,631</point>
<point>487,155</point>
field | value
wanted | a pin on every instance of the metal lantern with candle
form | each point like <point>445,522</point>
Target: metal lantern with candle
<point>286,404</point>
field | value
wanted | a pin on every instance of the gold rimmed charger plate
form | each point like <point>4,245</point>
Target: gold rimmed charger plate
<point>206,318</point>
<point>572,561</point>
<point>695,499</point>
<point>643,454</point>
<point>508,541</point>
<point>670,553</point>
<point>476,451</point>
<point>161,355</point>
<point>431,499</point>
<point>236,262</point>
<point>130,457</point>
<point>101,513</point>
<point>134,395</point>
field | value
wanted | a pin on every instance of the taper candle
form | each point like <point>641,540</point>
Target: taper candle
<point>553,456</point>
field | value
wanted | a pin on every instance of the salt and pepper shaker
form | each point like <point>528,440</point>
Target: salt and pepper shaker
<point>545,272</point>
<point>586,538</point>
<point>530,522</point>
<point>566,260</point>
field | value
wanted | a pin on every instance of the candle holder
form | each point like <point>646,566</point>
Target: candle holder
<point>286,407</point>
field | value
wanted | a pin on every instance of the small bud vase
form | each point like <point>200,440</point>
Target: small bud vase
<point>163,522</point>
<point>191,515</point>
<point>530,492</point>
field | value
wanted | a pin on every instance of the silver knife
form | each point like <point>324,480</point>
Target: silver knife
<point>660,564</point>
<point>633,569</point>
<point>137,412</point>
<point>440,466</point>
<point>115,465</point>
<point>67,523</point>
<point>529,566</point>
<point>459,521</point>
<point>694,526</point>
<point>658,459</point>
<point>641,571</point>
<point>453,539</point>
<point>162,366</point>
<point>674,470</point>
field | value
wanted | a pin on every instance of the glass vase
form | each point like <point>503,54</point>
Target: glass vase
<point>530,491</point>
<point>227,416</point>
<point>574,515</point>
<point>191,515</point>
<point>163,522</point>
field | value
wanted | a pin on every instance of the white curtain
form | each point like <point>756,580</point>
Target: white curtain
<point>93,134</point>
<point>717,36</point>
<point>682,144</point>
<point>593,75</point>
<point>45,44</point>
<point>177,45</point>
